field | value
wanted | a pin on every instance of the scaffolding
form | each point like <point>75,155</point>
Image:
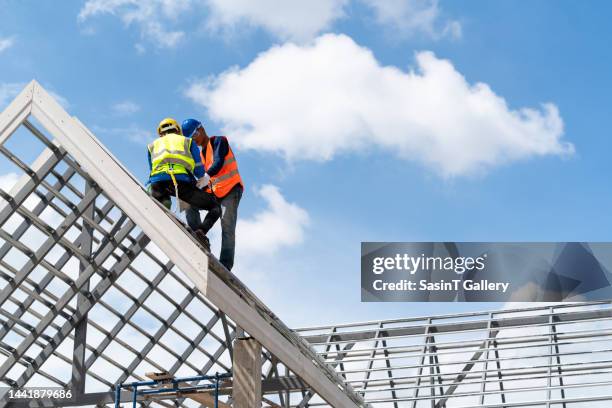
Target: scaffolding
<point>166,386</point>
<point>94,294</point>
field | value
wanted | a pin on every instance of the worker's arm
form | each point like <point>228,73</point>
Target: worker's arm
<point>150,165</point>
<point>220,148</point>
<point>198,170</point>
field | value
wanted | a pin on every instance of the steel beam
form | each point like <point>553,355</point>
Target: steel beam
<point>80,331</point>
<point>214,281</point>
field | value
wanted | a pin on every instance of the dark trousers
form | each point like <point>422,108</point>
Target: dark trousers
<point>188,192</point>
<point>229,205</point>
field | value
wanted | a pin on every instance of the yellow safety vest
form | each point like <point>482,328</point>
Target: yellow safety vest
<point>171,154</point>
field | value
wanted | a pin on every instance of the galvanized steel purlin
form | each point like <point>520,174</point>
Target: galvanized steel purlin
<point>36,295</point>
<point>551,355</point>
<point>82,309</point>
<point>35,259</point>
<point>19,231</point>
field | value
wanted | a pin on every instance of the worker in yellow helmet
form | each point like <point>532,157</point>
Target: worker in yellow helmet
<point>174,164</point>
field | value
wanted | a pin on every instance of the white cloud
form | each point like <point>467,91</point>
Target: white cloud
<point>60,99</point>
<point>125,108</point>
<point>133,133</point>
<point>301,21</point>
<point>290,19</point>
<point>6,43</point>
<point>165,23</point>
<point>315,101</point>
<point>153,17</point>
<point>406,17</point>
<point>140,49</point>
<point>453,29</point>
<point>7,181</point>
<point>8,91</point>
<point>261,244</point>
<point>137,135</point>
<point>267,247</point>
<point>280,225</point>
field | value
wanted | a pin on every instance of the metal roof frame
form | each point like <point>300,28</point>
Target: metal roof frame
<point>546,356</point>
<point>142,221</point>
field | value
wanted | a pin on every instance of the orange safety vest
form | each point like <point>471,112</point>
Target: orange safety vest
<point>227,177</point>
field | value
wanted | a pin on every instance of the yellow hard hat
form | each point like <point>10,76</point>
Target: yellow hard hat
<point>168,124</point>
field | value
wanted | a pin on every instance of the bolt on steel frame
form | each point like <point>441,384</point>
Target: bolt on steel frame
<point>93,293</point>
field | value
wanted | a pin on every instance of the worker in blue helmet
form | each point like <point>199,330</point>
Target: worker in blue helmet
<point>222,179</point>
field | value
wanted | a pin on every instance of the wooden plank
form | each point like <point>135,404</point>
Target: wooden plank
<point>205,399</point>
<point>162,376</point>
<point>247,373</point>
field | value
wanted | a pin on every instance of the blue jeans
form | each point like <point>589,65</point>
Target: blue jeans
<point>229,216</point>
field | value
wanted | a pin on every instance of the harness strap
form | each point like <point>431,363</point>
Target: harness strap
<point>171,172</point>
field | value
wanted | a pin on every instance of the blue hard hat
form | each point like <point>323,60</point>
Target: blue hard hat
<point>189,126</point>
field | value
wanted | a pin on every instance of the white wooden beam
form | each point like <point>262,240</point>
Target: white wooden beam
<point>17,111</point>
<point>246,389</point>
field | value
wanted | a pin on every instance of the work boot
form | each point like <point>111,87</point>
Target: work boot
<point>202,239</point>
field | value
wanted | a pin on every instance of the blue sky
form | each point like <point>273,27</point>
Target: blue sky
<point>351,121</point>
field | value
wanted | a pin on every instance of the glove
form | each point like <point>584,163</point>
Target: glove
<point>203,181</point>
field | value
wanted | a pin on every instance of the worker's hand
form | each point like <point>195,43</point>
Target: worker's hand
<point>203,181</point>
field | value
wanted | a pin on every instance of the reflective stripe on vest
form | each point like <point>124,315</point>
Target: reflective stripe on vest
<point>227,177</point>
<point>171,154</point>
